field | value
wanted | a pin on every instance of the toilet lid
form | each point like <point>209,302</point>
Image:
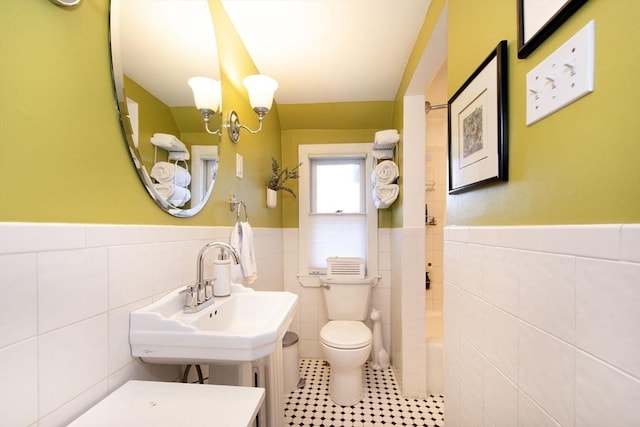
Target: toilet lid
<point>345,334</point>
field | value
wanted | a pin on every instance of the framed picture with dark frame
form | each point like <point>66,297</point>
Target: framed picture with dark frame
<point>537,20</point>
<point>478,126</point>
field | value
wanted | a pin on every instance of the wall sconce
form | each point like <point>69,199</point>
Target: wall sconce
<point>260,88</point>
<point>207,94</point>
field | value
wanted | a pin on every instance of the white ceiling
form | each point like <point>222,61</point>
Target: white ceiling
<point>164,43</point>
<point>318,50</point>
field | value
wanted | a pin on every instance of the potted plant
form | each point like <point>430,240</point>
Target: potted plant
<point>279,176</point>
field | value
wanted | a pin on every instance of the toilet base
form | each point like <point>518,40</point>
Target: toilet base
<point>346,385</point>
<point>347,368</point>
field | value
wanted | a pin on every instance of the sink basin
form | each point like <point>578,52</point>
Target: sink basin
<point>242,327</point>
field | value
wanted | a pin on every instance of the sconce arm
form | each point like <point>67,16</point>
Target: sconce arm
<point>235,126</point>
<point>206,116</point>
<point>260,120</point>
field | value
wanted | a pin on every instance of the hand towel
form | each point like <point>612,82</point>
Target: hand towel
<point>389,136</point>
<point>248,255</point>
<point>168,172</point>
<point>173,194</point>
<point>234,241</point>
<point>385,194</point>
<point>385,172</point>
<point>168,142</point>
<point>242,241</point>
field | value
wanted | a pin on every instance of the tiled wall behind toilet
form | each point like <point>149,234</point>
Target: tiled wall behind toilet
<point>542,326</point>
<point>311,315</point>
<point>66,292</point>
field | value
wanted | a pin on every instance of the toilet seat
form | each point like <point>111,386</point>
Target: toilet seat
<point>345,334</point>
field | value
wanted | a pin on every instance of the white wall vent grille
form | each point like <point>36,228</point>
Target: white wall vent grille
<point>345,267</point>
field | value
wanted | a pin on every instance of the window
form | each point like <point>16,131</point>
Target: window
<point>337,215</point>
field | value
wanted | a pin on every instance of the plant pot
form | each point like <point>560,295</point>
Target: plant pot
<point>272,198</point>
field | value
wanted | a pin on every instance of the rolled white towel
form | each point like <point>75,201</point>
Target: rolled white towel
<point>173,194</point>
<point>385,194</point>
<point>389,136</point>
<point>168,142</point>
<point>168,172</point>
<point>385,172</point>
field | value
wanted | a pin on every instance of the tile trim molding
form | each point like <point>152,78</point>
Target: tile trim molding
<point>604,241</point>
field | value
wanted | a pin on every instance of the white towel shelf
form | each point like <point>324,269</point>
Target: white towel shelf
<point>173,149</point>
<point>383,151</point>
<point>384,146</point>
<point>176,149</point>
<point>168,142</point>
<point>173,156</point>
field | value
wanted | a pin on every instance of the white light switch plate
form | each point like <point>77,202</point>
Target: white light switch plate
<point>239,166</point>
<point>563,77</point>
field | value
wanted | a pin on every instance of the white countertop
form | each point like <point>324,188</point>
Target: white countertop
<point>160,404</point>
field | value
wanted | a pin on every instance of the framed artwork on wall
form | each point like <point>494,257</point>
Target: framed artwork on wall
<point>538,19</point>
<point>478,126</point>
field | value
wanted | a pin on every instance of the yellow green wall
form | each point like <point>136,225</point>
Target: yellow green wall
<point>578,166</point>
<point>256,150</point>
<point>154,117</point>
<point>337,115</point>
<point>328,123</point>
<point>433,14</point>
<point>62,158</point>
<point>61,153</point>
<point>291,139</point>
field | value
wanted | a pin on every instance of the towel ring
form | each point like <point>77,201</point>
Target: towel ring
<point>242,204</point>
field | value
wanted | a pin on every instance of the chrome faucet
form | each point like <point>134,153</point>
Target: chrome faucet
<point>200,294</point>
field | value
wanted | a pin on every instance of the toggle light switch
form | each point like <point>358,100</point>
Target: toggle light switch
<point>565,76</point>
<point>571,66</point>
<point>551,79</point>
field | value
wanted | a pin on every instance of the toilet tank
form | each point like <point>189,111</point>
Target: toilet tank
<point>347,299</point>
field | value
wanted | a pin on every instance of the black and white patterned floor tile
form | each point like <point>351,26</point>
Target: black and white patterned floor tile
<point>382,404</point>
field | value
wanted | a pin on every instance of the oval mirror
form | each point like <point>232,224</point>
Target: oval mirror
<point>156,46</point>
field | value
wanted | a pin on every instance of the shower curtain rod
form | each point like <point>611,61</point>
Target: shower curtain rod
<point>428,107</point>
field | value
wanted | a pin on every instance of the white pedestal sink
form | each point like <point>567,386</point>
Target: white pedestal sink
<point>244,330</point>
<point>242,327</point>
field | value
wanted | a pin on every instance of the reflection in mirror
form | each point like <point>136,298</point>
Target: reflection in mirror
<point>156,46</point>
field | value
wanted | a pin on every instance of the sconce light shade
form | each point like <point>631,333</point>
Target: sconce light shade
<point>206,93</point>
<point>261,89</point>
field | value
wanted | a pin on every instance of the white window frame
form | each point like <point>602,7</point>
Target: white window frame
<point>307,151</point>
<point>202,179</point>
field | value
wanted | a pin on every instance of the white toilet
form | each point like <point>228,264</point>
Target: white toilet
<point>346,340</point>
